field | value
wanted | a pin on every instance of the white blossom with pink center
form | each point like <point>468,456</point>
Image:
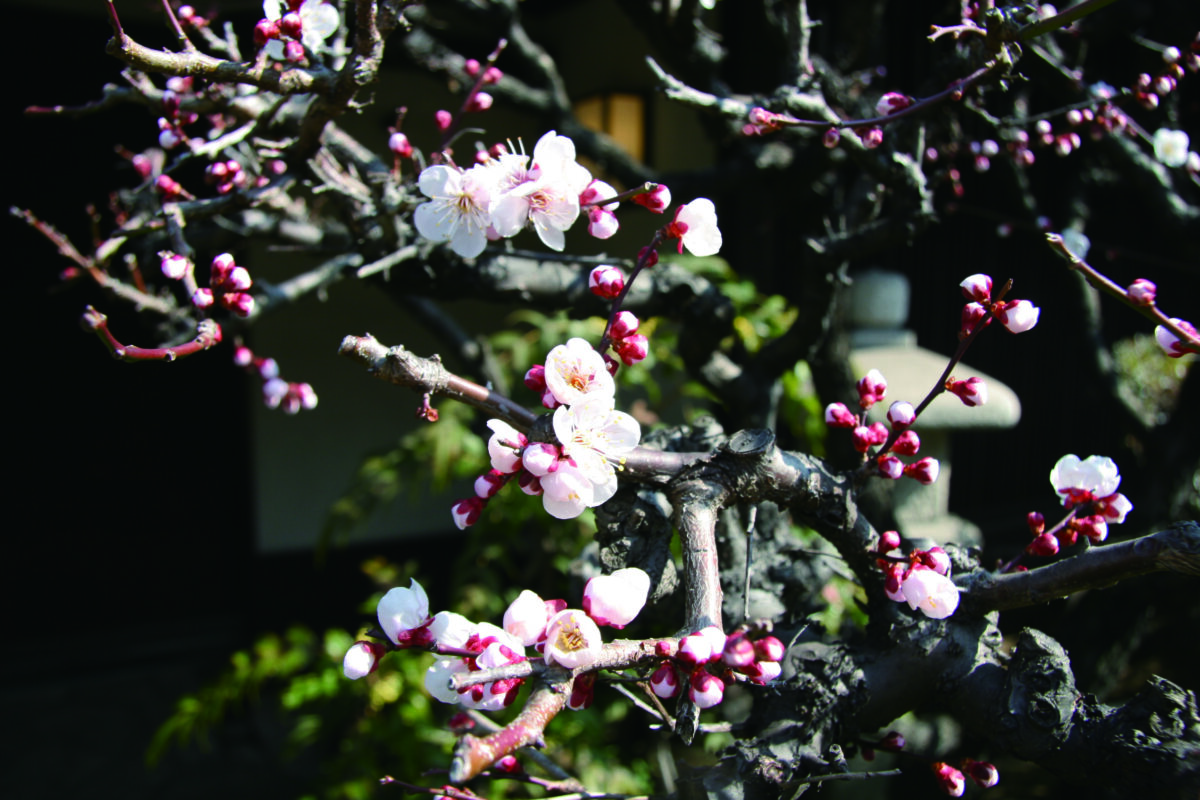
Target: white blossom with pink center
<point>545,195</point>
<point>594,436</point>
<point>616,599</point>
<point>457,211</point>
<point>1083,480</point>
<point>572,640</point>
<point>526,618</point>
<point>930,591</point>
<point>702,237</point>
<point>575,370</point>
<point>402,610</point>
<point>319,20</point>
<point>567,493</point>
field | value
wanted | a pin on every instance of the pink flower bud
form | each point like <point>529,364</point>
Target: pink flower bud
<point>893,742</point>
<point>291,26</point>
<point>1018,315</point>
<point>651,257</point>
<point>293,51</point>
<point>949,779</point>
<point>1036,522</point>
<point>664,682</point>
<point>606,281</point>
<point>1169,342</point>
<point>625,324</point>
<point>481,101</point>
<point>705,690</point>
<point>889,541</point>
<point>168,186</point>
<point>466,512</point>
<point>972,314</point>
<point>202,298</point>
<point>983,773</point>
<point>768,648</point>
<point>936,559</point>
<point>739,651</point>
<point>550,401</point>
<point>492,75</point>
<point>443,118</point>
<point>889,466</point>
<point>716,638</point>
<point>535,378</point>
<point>362,659</point>
<point>168,140</point>
<point>265,31</point>
<point>694,649</point>
<point>872,137</point>
<point>872,388</point>
<point>924,471</point>
<point>657,199</point>
<point>472,66</point>
<point>616,600</point>
<point>831,138</point>
<point>1043,545</point>
<point>602,222</point>
<point>632,349</point>
<point>239,279</point>
<point>508,765</point>
<point>972,391</point>
<point>398,143</point>
<point>526,618</point>
<point>892,102</point>
<point>488,484</point>
<point>1095,527</point>
<point>529,484</point>
<point>583,692</point>
<point>901,414</point>
<point>174,266</point>
<point>541,458</point>
<point>838,416</point>
<point>907,444</point>
<point>1142,292</point>
<point>239,303</point>
<point>243,356</point>
<point>977,288</point>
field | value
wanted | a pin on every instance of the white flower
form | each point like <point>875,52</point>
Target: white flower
<point>319,20</point>
<point>505,446</point>
<point>526,618</point>
<point>457,211</point>
<point>360,660</point>
<point>594,436</point>
<point>933,593</point>
<point>1018,315</point>
<point>1171,147</point>
<point>566,492</point>
<point>702,237</point>
<point>618,598</point>
<point>403,610</point>
<point>546,194</point>
<point>1082,480</point>
<point>575,370</point>
<point>572,640</point>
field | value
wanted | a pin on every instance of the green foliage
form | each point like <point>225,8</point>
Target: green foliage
<point>1147,380</point>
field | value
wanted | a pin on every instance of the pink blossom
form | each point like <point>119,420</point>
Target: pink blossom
<point>398,143</point>
<point>606,281</point>
<point>1142,292</point>
<point>907,444</point>
<point>936,559</point>
<point>618,598</point>
<point>572,640</point>
<point>1170,343</point>
<point>738,652</point>
<point>695,226</point>
<point>705,690</point>
<point>526,618</point>
<point>977,288</point>
<point>593,437</point>
<point>1018,315</point>
<point>315,19</point>
<point>1084,480</point>
<point>889,466</point>
<point>566,493</point>
<point>865,436</point>
<point>466,512</point>
<point>695,649</point>
<point>583,692</point>
<point>624,324</point>
<point>1043,545</point>
<point>174,266</point>
<point>546,194</point>
<point>488,484</point>
<point>891,102</point>
<point>767,671</point>
<point>1094,526</point>
<point>505,446</point>
<point>972,314</point>
<point>769,648</point>
<point>972,391</point>
<point>575,370</point>
<point>901,414</point>
<point>602,223</point>
<point>632,349</point>
<point>202,298</point>
<point>930,591</point>
<point>541,458</point>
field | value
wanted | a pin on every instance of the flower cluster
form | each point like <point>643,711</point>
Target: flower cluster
<point>708,660</point>
<point>276,392</point>
<point>576,472</point>
<point>305,24</point>
<point>567,637</point>
<point>1088,488</point>
<point>921,579</point>
<point>1016,315</point>
<point>872,388</point>
<point>953,782</point>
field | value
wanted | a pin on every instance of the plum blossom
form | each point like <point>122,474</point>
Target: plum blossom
<point>1018,315</point>
<point>319,20</point>
<point>361,659</point>
<point>526,618</point>
<point>950,779</point>
<point>402,611</point>
<point>593,437</point>
<point>930,591</point>
<point>505,446</point>
<point>457,211</point>
<point>1169,342</point>
<point>575,370</point>
<point>572,640</point>
<point>695,226</point>
<point>1171,147</point>
<point>546,193</point>
<point>1091,480</point>
<point>705,690</point>
<point>566,492</point>
<point>618,598</point>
